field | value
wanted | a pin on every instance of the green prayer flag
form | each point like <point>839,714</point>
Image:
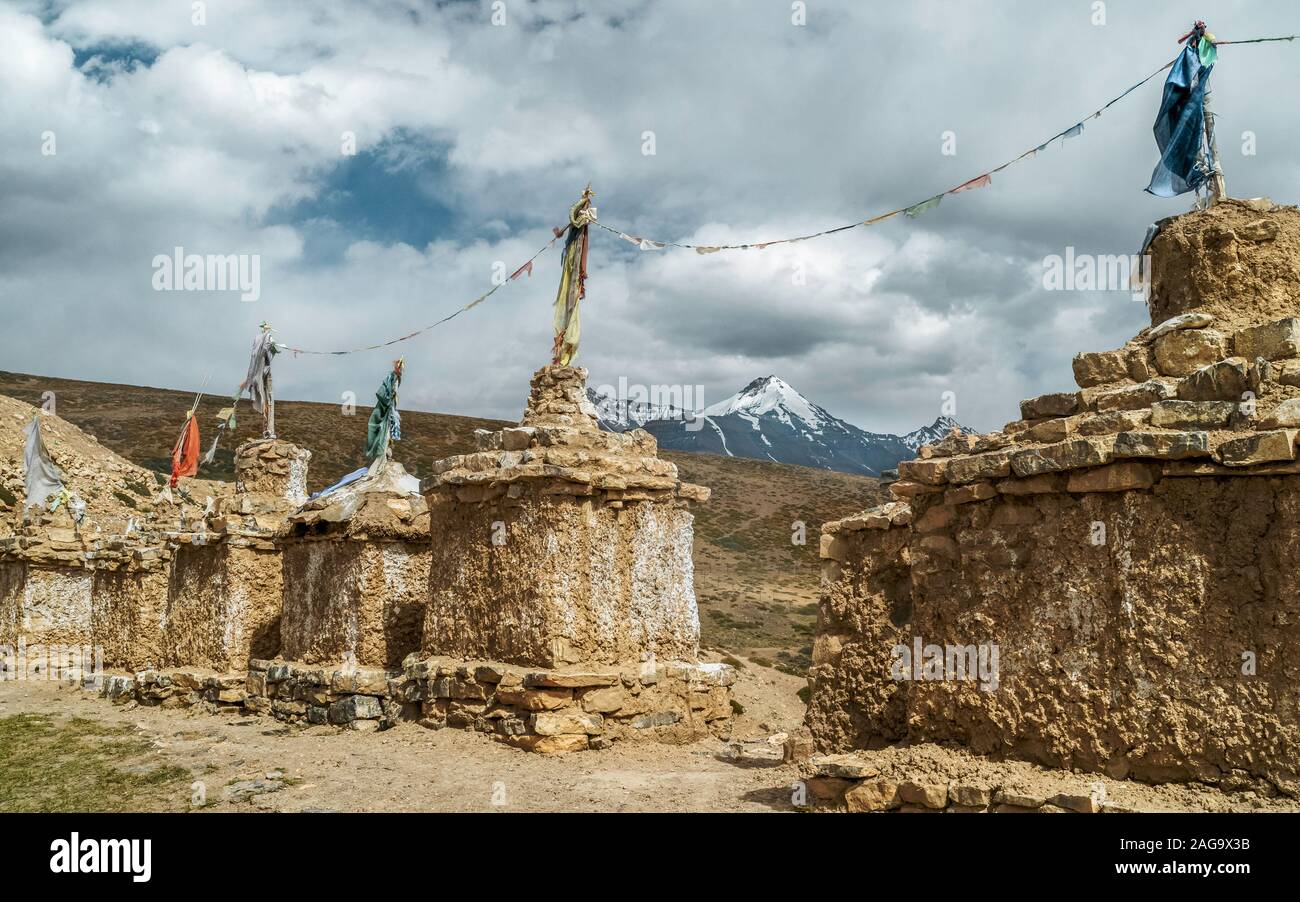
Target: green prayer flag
<point>385,422</point>
<point>917,209</point>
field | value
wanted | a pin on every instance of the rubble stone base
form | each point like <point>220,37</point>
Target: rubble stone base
<point>547,711</point>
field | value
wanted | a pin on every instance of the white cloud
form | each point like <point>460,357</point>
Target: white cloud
<point>762,129</point>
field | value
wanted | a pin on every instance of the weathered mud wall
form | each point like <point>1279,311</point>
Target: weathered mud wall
<point>547,580</point>
<point>1166,650</point>
<point>13,576</point>
<point>348,600</point>
<point>223,606</point>
<point>54,606</point>
<point>1238,261</point>
<point>126,616</point>
<point>866,609</point>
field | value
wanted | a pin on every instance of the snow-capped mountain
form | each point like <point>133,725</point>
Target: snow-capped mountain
<point>770,420</point>
<point>620,415</point>
<point>928,435</point>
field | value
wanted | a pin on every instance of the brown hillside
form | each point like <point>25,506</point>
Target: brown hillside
<point>757,589</point>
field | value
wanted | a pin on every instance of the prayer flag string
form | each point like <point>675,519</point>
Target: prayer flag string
<point>911,211</point>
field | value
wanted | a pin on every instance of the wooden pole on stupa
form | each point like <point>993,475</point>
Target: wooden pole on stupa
<point>1218,190</point>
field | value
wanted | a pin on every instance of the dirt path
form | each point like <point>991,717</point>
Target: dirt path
<point>258,762</point>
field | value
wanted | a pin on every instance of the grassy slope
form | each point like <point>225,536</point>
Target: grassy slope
<point>757,589</point>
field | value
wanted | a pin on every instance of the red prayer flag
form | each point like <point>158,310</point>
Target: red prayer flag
<point>977,182</point>
<point>185,456</point>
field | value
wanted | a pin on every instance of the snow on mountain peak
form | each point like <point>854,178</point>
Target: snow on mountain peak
<point>928,435</point>
<point>773,395</point>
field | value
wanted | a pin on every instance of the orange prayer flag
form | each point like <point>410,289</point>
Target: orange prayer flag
<point>185,456</point>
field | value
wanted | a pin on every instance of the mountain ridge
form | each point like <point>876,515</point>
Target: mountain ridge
<point>769,419</point>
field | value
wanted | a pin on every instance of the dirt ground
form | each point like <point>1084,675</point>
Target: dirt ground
<point>256,763</point>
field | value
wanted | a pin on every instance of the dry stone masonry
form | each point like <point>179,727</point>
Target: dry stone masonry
<point>1126,553</point>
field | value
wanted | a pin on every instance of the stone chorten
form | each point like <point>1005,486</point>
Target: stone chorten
<point>356,565</point>
<point>224,599</point>
<point>1128,549</point>
<point>557,543</point>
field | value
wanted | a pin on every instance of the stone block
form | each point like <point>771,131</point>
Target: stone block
<point>361,681</point>
<point>561,744</point>
<point>1272,341</point>
<point>1119,477</point>
<point>1043,484</point>
<point>874,794</point>
<point>1057,404</point>
<point>1055,430</point>
<point>1162,445</point>
<point>555,723</point>
<point>1111,422</point>
<point>1258,448</point>
<point>1288,373</point>
<point>1083,803</point>
<point>846,765</point>
<point>912,489</point>
<point>517,439</point>
<point>608,700</point>
<point>571,679</point>
<point>926,472</point>
<point>535,699</point>
<point>355,707</point>
<point>925,793</point>
<point>1192,414</point>
<point>1068,455</point>
<point>1193,320</point>
<point>1222,381</point>
<point>1285,416</point>
<point>970,794</point>
<point>1100,368</point>
<point>1182,352</point>
<point>1134,397</point>
<point>979,491</point>
<point>939,517</point>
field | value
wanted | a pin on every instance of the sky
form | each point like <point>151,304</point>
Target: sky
<point>129,128</point>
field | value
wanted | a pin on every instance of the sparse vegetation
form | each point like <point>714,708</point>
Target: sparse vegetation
<point>48,764</point>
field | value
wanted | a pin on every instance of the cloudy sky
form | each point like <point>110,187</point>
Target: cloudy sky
<point>126,130</point>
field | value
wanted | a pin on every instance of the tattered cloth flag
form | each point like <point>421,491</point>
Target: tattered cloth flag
<point>573,280</point>
<point>1180,124</point>
<point>43,477</point>
<point>185,454</point>
<point>980,181</point>
<point>1074,132</point>
<point>259,363</point>
<point>385,422</point>
<point>917,209</point>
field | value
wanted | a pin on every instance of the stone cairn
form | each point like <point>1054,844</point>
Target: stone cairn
<point>1122,546</point>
